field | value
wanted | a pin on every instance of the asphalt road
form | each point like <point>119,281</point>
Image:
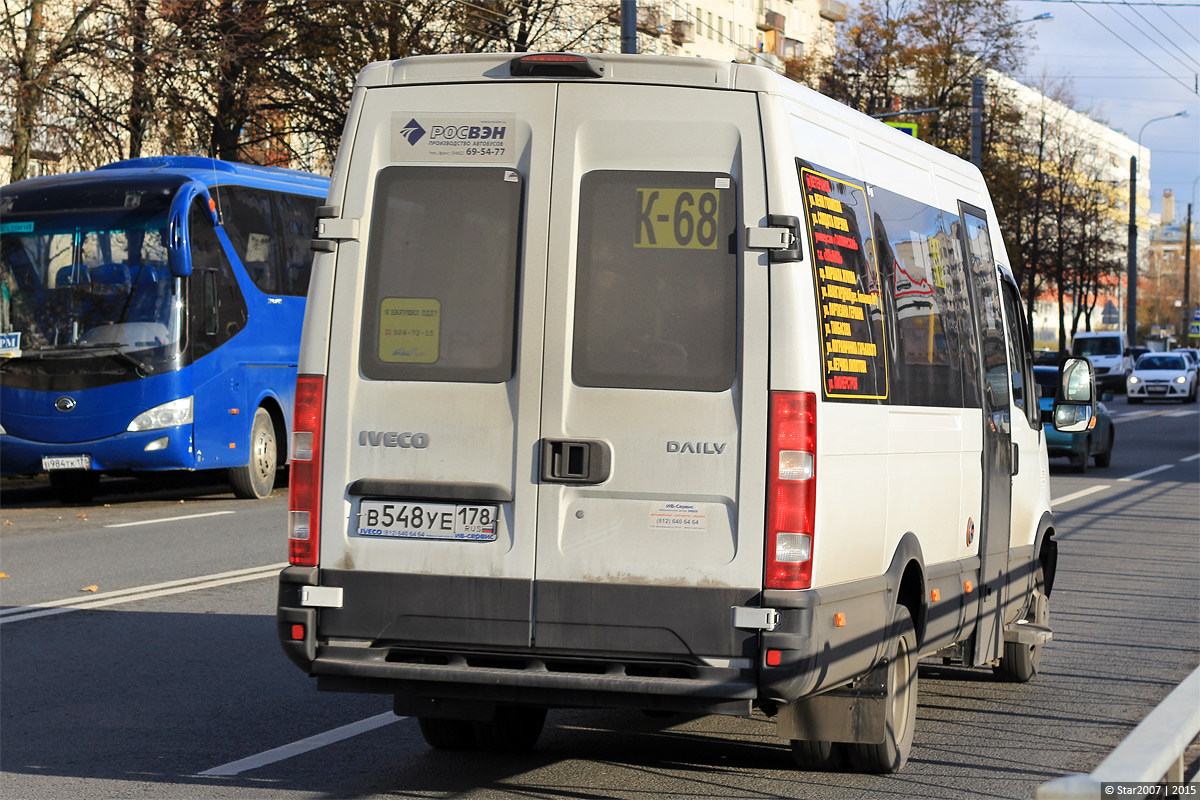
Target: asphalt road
<point>172,684</point>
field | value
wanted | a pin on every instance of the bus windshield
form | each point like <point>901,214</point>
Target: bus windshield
<point>80,280</point>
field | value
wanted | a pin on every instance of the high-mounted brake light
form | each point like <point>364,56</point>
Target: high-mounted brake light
<point>557,65</point>
<point>791,490</point>
<point>304,481</point>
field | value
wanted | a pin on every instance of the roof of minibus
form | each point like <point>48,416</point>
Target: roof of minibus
<point>209,171</point>
<point>657,70</point>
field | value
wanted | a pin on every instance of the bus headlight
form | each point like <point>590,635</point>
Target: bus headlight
<point>168,415</point>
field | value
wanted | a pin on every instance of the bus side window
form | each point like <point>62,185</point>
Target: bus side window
<point>249,220</point>
<point>218,309</point>
<point>296,215</point>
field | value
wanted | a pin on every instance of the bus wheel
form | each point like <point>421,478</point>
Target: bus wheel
<point>901,715</point>
<point>1021,662</point>
<point>75,485</point>
<point>256,480</point>
<point>515,729</point>
<point>447,734</point>
<point>819,756</point>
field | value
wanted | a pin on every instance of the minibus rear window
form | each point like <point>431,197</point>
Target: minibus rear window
<point>441,279</point>
<point>656,281</point>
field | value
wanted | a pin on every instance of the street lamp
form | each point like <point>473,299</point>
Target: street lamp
<point>1132,277</point>
<point>977,86</point>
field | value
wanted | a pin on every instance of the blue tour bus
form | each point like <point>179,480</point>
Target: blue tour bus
<point>150,315</point>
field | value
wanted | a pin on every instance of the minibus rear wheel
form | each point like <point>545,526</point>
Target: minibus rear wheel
<point>891,754</point>
<point>514,729</point>
<point>819,756</point>
<point>447,734</point>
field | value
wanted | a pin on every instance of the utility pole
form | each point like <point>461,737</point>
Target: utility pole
<point>629,26</point>
<point>977,84</point>
<point>1187,280</point>
<point>1131,276</point>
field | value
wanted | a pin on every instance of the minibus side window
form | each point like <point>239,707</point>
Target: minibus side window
<point>987,304</point>
<point>656,281</point>
<point>922,275</point>
<point>1025,394</point>
<point>440,293</point>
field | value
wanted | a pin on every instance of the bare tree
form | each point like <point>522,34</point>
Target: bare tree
<point>40,68</point>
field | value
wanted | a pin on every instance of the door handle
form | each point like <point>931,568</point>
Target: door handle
<point>579,461</point>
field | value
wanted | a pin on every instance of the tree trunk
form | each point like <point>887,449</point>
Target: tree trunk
<point>29,94</point>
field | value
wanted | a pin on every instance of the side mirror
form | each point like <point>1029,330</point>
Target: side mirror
<point>1075,400</point>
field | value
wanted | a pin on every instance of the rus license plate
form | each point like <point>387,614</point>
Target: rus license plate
<point>66,462</point>
<point>1156,389</point>
<point>397,520</point>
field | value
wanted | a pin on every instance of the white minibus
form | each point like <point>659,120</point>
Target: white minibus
<point>665,384</point>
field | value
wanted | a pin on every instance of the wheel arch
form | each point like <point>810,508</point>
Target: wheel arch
<point>906,580</point>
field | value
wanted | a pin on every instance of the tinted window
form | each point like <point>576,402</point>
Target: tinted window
<point>1161,362</point>
<point>656,281</point>
<point>986,303</point>
<point>1024,397</point>
<point>1098,346</point>
<point>922,274</point>
<point>297,215</point>
<point>249,221</point>
<point>442,275</point>
<point>217,310</point>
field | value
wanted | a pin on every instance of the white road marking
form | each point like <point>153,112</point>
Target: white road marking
<point>1144,473</point>
<point>1076,495</point>
<point>138,593</point>
<point>304,745</point>
<point>169,519</point>
<point>1189,458</point>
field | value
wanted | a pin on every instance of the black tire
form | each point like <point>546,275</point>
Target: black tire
<point>901,717</point>
<point>256,480</point>
<point>819,756</point>
<point>1079,464</point>
<point>75,485</point>
<point>448,734</point>
<point>1105,459</point>
<point>1021,662</point>
<point>515,729</point>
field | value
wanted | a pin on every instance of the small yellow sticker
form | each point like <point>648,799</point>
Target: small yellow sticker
<point>677,218</point>
<point>408,330</point>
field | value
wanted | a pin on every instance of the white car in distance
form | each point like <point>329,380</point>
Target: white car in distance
<point>1162,376</point>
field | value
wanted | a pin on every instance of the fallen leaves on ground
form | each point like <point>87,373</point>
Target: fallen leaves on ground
<point>93,588</point>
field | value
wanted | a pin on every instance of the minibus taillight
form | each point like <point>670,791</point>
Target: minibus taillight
<point>791,490</point>
<point>304,481</point>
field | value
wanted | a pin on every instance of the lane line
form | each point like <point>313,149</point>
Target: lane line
<point>1143,474</point>
<point>138,593</point>
<point>303,746</point>
<point>1189,458</point>
<point>1076,495</point>
<point>169,519</point>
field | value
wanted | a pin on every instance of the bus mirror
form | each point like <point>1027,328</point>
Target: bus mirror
<point>177,260</point>
<point>1075,403</point>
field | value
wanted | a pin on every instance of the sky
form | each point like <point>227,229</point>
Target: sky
<point>1128,61</point>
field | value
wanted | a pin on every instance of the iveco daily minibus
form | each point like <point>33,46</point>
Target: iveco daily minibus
<point>659,383</point>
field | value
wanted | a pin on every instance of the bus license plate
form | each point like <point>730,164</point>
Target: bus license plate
<point>427,521</point>
<point>66,462</point>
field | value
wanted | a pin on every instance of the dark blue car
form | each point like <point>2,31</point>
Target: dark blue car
<point>1096,442</point>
